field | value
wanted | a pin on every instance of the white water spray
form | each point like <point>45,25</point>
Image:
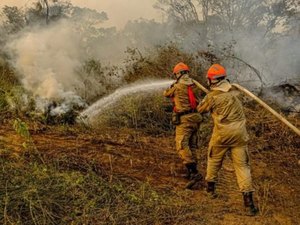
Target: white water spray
<point>108,101</point>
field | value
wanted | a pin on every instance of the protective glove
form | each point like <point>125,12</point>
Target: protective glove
<point>172,85</point>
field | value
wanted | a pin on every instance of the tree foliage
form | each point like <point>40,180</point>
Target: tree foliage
<point>14,19</point>
<point>231,14</point>
<point>158,63</point>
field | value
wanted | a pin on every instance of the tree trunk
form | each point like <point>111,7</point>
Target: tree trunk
<point>47,11</point>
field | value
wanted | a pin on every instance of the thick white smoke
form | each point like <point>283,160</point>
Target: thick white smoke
<point>46,58</point>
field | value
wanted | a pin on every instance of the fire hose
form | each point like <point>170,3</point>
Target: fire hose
<point>258,100</point>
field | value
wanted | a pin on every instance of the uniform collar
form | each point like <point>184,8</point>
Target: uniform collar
<point>223,85</point>
<point>185,79</point>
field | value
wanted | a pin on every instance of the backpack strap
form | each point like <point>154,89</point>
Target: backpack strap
<point>192,98</point>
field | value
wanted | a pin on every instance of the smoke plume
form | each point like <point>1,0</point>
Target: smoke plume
<point>45,60</point>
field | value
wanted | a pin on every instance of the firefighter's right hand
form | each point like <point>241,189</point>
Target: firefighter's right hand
<point>172,85</point>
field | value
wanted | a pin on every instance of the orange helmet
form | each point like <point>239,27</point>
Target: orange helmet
<point>216,71</point>
<point>180,67</point>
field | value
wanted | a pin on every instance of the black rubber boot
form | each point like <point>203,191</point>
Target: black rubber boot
<point>192,168</point>
<point>249,204</point>
<point>195,176</point>
<point>211,190</point>
<point>187,175</point>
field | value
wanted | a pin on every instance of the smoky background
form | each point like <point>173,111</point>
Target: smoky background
<point>64,53</point>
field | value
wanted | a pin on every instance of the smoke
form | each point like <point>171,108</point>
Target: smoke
<point>277,60</point>
<point>286,95</point>
<point>47,57</point>
<point>68,102</point>
<point>45,60</point>
<point>265,35</point>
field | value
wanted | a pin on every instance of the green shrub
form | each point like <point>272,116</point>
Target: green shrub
<point>3,101</point>
<point>7,83</point>
<point>150,112</point>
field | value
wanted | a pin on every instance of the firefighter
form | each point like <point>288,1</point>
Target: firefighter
<point>186,96</point>
<point>229,135</point>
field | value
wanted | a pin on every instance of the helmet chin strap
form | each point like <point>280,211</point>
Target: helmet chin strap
<point>208,82</point>
<point>178,77</point>
<point>213,82</point>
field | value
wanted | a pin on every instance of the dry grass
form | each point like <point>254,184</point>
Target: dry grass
<point>53,193</point>
<point>127,177</point>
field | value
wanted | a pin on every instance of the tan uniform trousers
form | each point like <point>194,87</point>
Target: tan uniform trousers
<point>241,164</point>
<point>187,140</point>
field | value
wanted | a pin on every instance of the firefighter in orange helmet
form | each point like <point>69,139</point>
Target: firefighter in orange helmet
<point>229,134</point>
<point>186,96</point>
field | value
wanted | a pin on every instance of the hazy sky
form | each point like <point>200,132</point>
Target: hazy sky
<point>119,11</point>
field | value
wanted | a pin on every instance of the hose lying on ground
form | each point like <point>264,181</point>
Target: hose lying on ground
<point>258,100</point>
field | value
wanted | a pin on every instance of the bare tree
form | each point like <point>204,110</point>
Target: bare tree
<point>48,9</point>
<point>280,13</point>
<point>180,10</point>
<point>205,8</point>
<point>232,14</point>
<point>250,14</point>
<point>239,13</point>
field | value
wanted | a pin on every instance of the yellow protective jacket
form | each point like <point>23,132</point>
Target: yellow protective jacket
<point>228,116</point>
<point>179,93</point>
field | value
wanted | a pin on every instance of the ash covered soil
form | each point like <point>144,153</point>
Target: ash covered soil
<point>131,154</point>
